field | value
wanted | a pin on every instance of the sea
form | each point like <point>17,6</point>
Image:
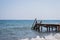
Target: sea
<point>21,30</point>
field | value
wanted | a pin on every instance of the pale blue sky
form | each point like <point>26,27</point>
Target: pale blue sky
<point>30,9</point>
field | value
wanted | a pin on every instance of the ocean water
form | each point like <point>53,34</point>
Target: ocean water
<point>21,30</point>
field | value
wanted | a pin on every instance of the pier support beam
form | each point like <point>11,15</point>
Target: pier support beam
<point>35,28</point>
<point>47,29</point>
<point>41,28</point>
<point>52,29</point>
<point>56,29</point>
<point>38,28</point>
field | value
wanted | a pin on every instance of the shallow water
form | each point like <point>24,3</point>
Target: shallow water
<point>21,30</point>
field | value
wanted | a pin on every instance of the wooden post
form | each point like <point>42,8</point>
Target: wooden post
<point>41,28</point>
<point>38,28</point>
<point>59,28</point>
<point>56,28</point>
<point>47,29</point>
<point>52,29</point>
<point>35,28</point>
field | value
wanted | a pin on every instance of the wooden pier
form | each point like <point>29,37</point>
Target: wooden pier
<point>38,27</point>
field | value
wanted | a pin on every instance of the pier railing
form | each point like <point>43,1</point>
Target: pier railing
<point>35,21</point>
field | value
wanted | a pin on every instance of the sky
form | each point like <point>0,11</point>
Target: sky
<point>30,9</point>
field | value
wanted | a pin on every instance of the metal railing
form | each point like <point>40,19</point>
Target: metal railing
<point>35,21</point>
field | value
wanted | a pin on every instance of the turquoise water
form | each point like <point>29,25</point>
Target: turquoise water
<point>19,29</point>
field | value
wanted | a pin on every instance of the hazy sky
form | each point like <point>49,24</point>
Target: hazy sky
<point>30,9</point>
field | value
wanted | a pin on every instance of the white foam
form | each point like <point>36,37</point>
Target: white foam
<point>37,38</point>
<point>25,39</point>
<point>48,37</point>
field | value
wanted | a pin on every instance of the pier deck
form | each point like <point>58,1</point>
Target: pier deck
<point>38,26</point>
